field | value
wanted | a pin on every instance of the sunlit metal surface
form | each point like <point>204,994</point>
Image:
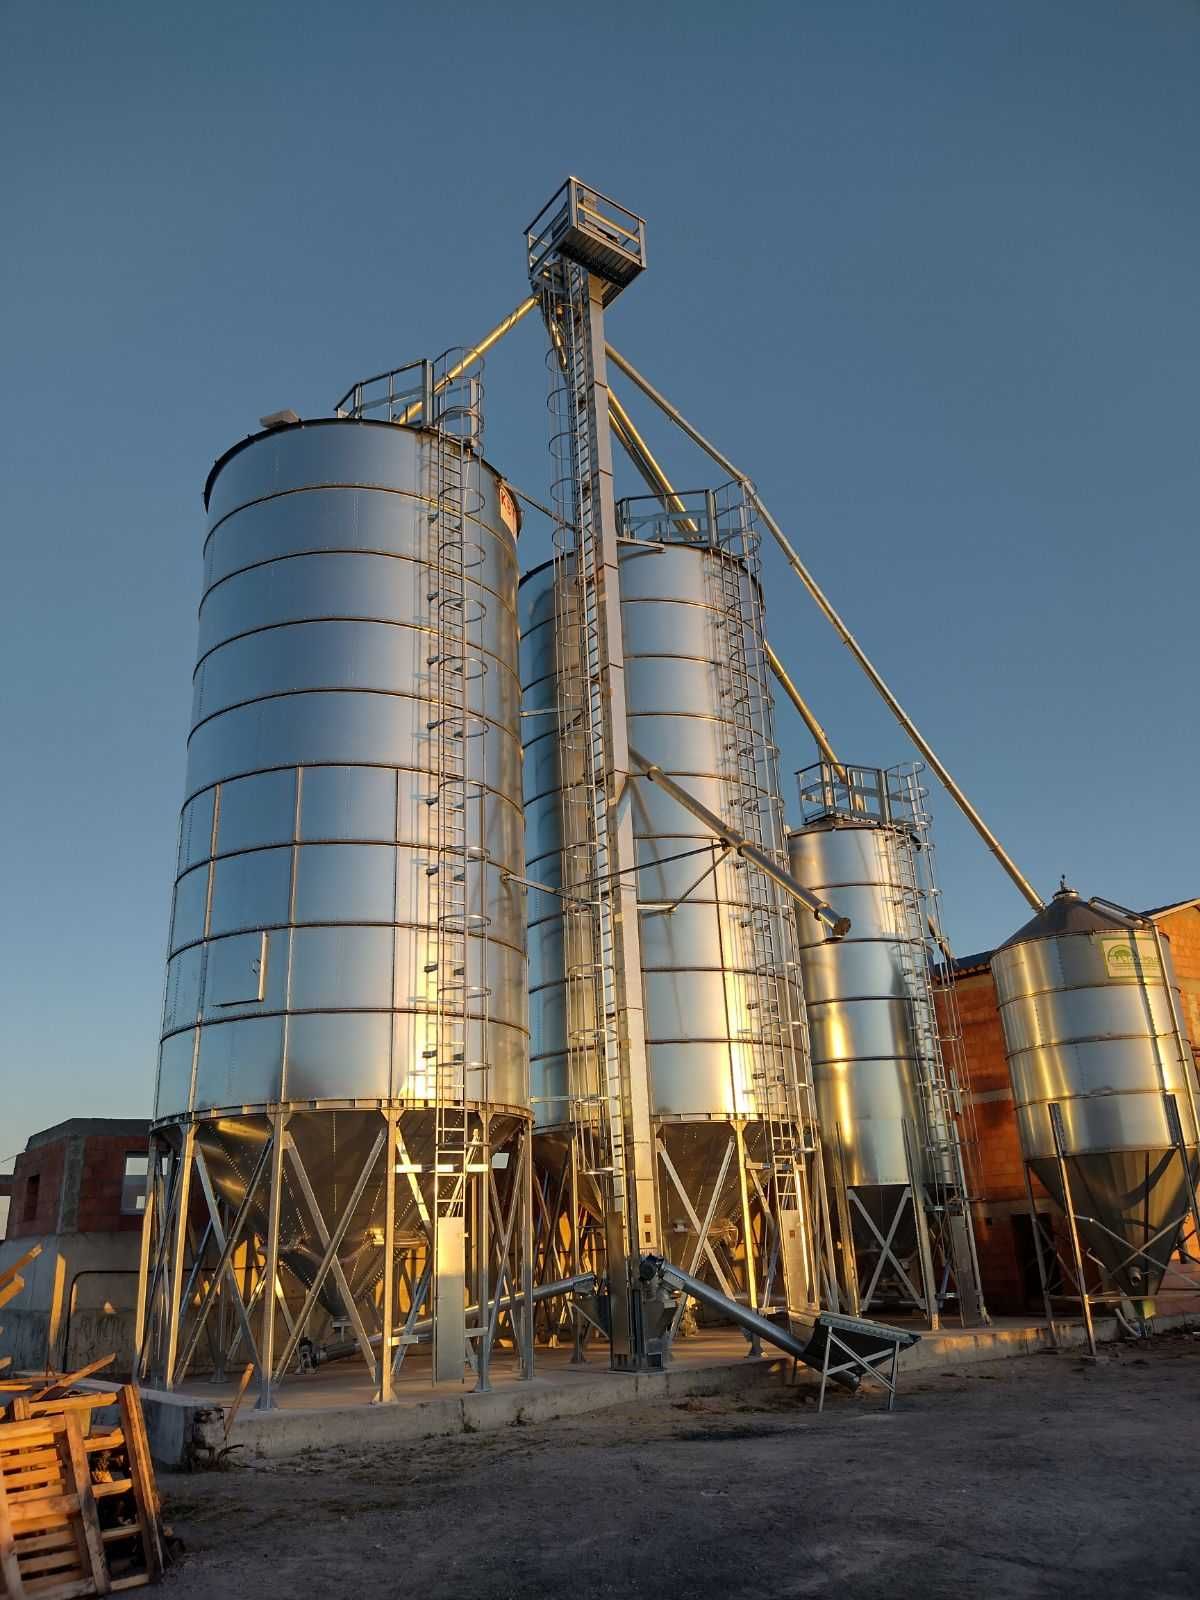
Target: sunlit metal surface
<point>342,1109</point>
<point>696,999</point>
<point>307,813</point>
<point>864,1052</point>
<point>1091,1013</point>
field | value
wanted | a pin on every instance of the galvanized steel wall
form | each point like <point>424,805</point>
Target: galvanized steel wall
<point>1093,1030</point>
<point>700,1025</point>
<point>305,835</point>
<point>866,1063</point>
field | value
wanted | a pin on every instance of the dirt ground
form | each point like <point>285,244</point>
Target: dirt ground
<point>1040,1476</point>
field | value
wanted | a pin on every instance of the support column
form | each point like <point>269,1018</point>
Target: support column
<point>266,1397</point>
<point>384,1388</point>
<point>1069,1206</point>
<point>175,1307</point>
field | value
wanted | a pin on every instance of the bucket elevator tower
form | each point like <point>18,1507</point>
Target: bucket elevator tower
<point>671,1078</point>
<point>582,250</point>
<point>340,1156</point>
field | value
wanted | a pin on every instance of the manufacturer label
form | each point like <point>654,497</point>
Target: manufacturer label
<point>1123,958</point>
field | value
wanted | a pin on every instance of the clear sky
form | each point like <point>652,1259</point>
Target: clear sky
<point>928,271</point>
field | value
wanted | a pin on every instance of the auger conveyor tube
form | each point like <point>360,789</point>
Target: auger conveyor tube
<point>581,1282</point>
<point>837,926</point>
<point>826,608</point>
<point>749,1320</point>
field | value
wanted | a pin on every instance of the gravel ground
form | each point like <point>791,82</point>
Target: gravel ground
<point>1046,1475</point>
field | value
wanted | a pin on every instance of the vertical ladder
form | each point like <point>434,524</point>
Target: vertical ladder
<point>937,1042</point>
<point>777,1056</point>
<point>595,1090</point>
<point>455,615</point>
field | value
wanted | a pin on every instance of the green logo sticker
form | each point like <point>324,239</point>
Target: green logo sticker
<point>1123,958</point>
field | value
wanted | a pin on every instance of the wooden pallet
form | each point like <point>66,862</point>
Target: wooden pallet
<point>77,1510</point>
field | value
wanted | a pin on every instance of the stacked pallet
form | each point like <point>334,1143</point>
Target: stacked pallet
<point>79,1508</point>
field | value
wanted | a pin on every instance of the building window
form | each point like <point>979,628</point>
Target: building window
<point>32,1184</point>
<point>133,1184</point>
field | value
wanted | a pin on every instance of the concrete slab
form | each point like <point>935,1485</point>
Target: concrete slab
<point>335,1407</point>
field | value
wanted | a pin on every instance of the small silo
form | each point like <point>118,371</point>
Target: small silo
<point>887,1096</point>
<point>722,1003</point>
<point>344,1061</point>
<point>1103,1083</point>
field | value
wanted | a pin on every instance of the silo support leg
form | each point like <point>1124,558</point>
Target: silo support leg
<point>690,1210</point>
<point>524,1201</point>
<point>334,1266</point>
<point>224,1277</point>
<point>176,1307</point>
<point>1072,1226</point>
<point>886,1250</point>
<point>384,1391</point>
<point>701,1244</point>
<point>1039,1254</point>
<point>331,1241</point>
<point>921,1218</point>
<point>266,1398</point>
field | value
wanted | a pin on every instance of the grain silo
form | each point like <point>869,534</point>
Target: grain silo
<point>342,1108</point>
<point>1105,1089</point>
<point>887,1079</point>
<point>723,1014</point>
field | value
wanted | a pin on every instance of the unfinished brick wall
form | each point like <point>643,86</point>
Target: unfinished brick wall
<point>76,1185</point>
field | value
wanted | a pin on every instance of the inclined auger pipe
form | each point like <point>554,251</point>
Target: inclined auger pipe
<point>826,607</point>
<point>750,1321</point>
<point>838,926</point>
<point>582,1282</point>
<point>807,714</point>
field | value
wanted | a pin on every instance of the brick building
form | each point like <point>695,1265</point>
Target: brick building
<point>1003,1228</point>
<point>79,1191</point>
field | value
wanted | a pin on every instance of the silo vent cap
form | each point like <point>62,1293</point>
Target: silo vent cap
<point>279,419</point>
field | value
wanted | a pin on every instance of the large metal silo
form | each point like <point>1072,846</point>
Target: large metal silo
<point>1104,1085</point>
<point>723,1012</point>
<point>884,1062</point>
<point>344,1063</point>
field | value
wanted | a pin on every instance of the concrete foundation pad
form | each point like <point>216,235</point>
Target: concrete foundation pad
<point>335,1408</point>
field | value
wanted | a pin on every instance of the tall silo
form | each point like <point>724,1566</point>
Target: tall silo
<point>885,1066</point>
<point>723,1011</point>
<point>1104,1087</point>
<point>344,1063</point>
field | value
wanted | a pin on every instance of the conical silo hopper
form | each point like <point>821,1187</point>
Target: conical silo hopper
<point>1103,1083</point>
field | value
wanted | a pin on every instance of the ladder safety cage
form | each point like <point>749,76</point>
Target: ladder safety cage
<point>894,798</point>
<point>772,1029</point>
<point>456,866</point>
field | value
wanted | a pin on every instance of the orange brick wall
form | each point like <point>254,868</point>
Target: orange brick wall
<point>999,1170</point>
<point>1182,929</point>
<point>999,1165</point>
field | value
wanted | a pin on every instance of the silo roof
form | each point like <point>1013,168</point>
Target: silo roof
<point>1067,913</point>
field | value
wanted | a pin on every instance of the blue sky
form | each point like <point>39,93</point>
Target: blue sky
<point>927,271</point>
